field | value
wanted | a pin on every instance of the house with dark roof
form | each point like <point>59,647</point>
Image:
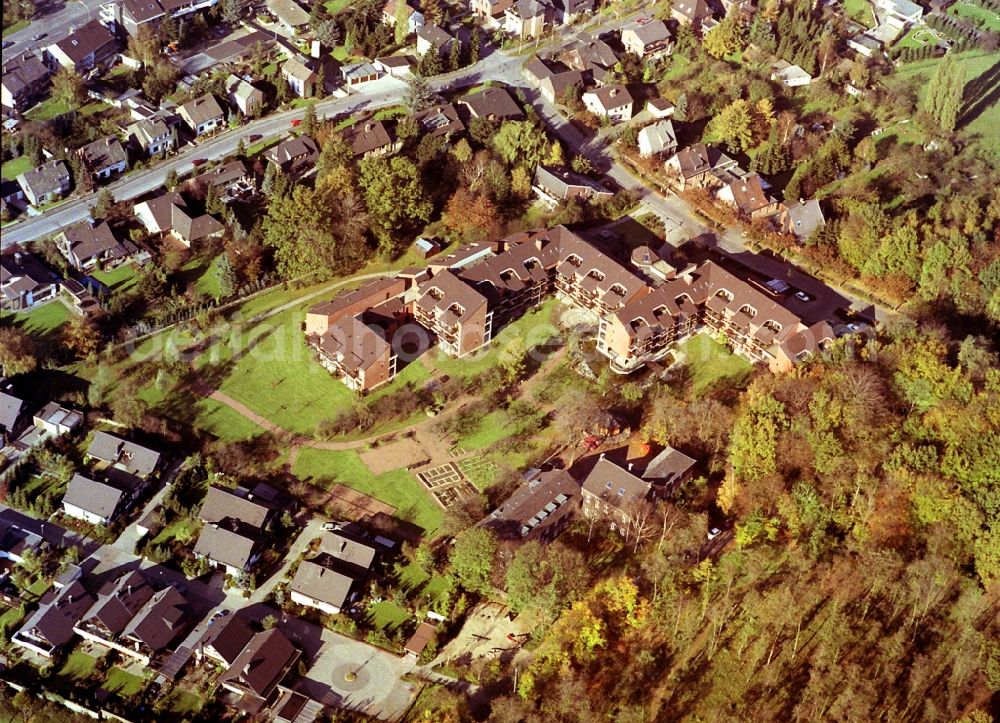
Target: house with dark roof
<point>92,245</point>
<point>101,502</point>
<point>49,182</point>
<point>153,135</point>
<point>135,14</point>
<point>493,104</point>
<point>233,531</point>
<point>748,198</point>
<point>104,158</point>
<point>25,81</point>
<point>50,627</point>
<point>431,37</point>
<point>391,12</point>
<point>86,47</point>
<point>170,216</point>
<point>698,166</point>
<point>553,81</point>
<point>203,115</point>
<point>330,581</point>
<point>540,509</point>
<point>562,184</point>
<point>232,181</point>
<point>260,668</point>
<point>112,452</point>
<point>492,13</point>
<point>440,120</point>
<point>295,156</point>
<point>289,13</point>
<point>526,19</point>
<point>648,40</point>
<point>590,55</point>
<point>370,138</point>
<point>10,415</point>
<point>610,101</point>
<point>25,281</point>
<point>224,640</point>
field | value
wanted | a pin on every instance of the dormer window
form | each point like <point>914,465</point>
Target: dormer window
<point>574,260</point>
<point>724,294</point>
<point>618,289</point>
<point>456,309</point>
<point>507,274</point>
<point>436,293</point>
<point>595,274</point>
<point>660,311</point>
<point>682,299</point>
<point>748,310</point>
<point>772,325</point>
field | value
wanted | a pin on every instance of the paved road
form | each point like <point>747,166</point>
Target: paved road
<point>55,23</point>
<point>384,92</point>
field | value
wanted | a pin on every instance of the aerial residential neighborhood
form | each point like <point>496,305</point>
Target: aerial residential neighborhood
<point>500,360</point>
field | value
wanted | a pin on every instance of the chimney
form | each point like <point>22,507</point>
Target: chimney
<point>602,456</point>
<point>630,466</point>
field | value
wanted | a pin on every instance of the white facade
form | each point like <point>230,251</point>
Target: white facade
<point>306,601</point>
<point>82,514</point>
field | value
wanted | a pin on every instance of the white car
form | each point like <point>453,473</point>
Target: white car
<point>714,532</point>
<point>332,526</point>
<point>802,296</point>
<point>852,326</point>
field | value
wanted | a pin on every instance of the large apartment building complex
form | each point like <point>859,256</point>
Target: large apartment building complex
<point>465,297</point>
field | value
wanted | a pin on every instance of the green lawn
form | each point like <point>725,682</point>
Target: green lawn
<point>388,615</point>
<point>182,702</point>
<point>182,530</point>
<point>398,488</point>
<point>14,27</point>
<point>335,6</point>
<point>15,167</point>
<point>44,320</point>
<point>78,665</point>
<point>341,53</point>
<point>119,280</point>
<point>10,619</point>
<point>860,11</point>
<point>710,362</point>
<point>980,116</point>
<point>124,684</point>
<point>47,110</point>
<point>429,587</point>
<point>990,20</point>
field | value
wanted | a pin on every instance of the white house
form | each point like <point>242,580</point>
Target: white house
<point>611,101</point>
<point>657,138</point>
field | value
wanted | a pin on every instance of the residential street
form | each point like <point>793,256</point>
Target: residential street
<point>54,24</point>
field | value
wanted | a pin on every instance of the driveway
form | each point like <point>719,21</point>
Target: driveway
<point>312,530</point>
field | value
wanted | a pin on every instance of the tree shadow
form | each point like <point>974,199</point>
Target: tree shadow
<point>980,94</point>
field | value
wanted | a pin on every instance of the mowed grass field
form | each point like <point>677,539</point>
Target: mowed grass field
<point>710,362</point>
<point>980,115</point>
<point>398,488</point>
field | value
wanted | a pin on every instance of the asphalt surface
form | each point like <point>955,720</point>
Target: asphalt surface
<point>384,92</point>
<point>55,23</point>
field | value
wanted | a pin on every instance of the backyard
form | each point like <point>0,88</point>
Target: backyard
<point>982,17</point>
<point>15,167</point>
<point>43,322</point>
<point>710,363</point>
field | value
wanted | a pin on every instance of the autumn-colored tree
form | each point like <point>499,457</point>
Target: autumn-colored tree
<point>81,337</point>
<point>469,214</point>
<point>18,354</point>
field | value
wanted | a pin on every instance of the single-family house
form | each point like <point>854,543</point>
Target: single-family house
<point>49,182</point>
<point>104,158</point>
<point>224,640</point>
<point>25,281</point>
<point>301,78</point>
<point>440,120</point>
<point>101,502</point>
<point>698,166</point>
<point>244,96</point>
<point>391,13</point>
<point>330,581</point>
<point>566,12</point>
<point>562,184</point>
<point>791,76</point>
<point>153,136</point>
<point>169,215</point>
<point>259,669</point>
<point>648,40</point>
<point>540,509</point>
<point>611,101</point>
<point>592,56</point>
<point>657,138</point>
<point>92,245</point>
<point>233,531</point>
<point>493,103</point>
<point>203,115</point>
<point>50,627</point>
<point>526,19</point>
<point>10,415</point>
<point>746,8</point>
<point>431,37</point>
<point>901,11</point>
<point>26,80</point>
<point>295,156</point>
<point>491,12</point>
<point>690,12</point>
<point>54,419</point>
<point>232,181</point>
<point>111,451</point>
<point>800,218</point>
<point>660,108</point>
<point>290,14</point>
<point>88,46</point>
<point>748,197</point>
<point>370,138</point>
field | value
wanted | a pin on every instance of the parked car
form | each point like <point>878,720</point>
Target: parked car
<point>254,137</point>
<point>199,162</point>
<point>714,532</point>
<point>296,122</point>
<point>802,296</point>
<point>39,36</point>
<point>8,44</point>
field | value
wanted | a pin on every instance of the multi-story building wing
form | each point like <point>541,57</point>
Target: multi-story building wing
<point>455,312</point>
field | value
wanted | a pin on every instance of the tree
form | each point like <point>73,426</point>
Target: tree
<point>680,107</point>
<point>462,151</point>
<point>455,55</point>
<point>335,154</point>
<point>827,51</point>
<point>474,45</point>
<point>309,120</point>
<point>172,180</point>
<point>727,37</point>
<point>81,337</point>
<point>394,194</point>
<point>734,126</point>
<point>127,407</point>
<point>145,45</point>
<point>419,95</point>
<point>68,87</point>
<point>520,182</point>
<point>943,99</point>
<point>433,11</point>
<point>556,156</point>
<point>471,215</point>
<point>520,141</point>
<point>471,559</point>
<point>227,278</point>
<point>17,352</point>
<point>104,204</point>
<point>232,11</point>
<point>402,21</point>
<point>582,164</point>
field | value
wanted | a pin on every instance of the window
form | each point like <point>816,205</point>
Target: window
<point>683,298</point>
<point>772,325</point>
<point>456,309</point>
<point>574,260</point>
<point>596,274</point>
<point>618,289</point>
<point>621,491</point>
<point>724,294</point>
<point>748,310</point>
<point>436,293</point>
<point>607,486</point>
